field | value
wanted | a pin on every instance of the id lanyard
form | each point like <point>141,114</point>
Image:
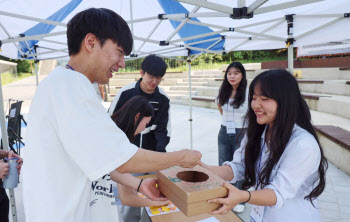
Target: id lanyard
<point>257,212</point>
<point>70,67</point>
<point>230,125</point>
<point>258,171</point>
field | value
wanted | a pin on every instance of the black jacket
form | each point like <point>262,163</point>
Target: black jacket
<point>157,133</point>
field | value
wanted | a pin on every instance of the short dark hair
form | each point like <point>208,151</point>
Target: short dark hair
<point>154,65</point>
<point>104,24</point>
<point>125,117</point>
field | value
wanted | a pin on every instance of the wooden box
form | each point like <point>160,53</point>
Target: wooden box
<point>189,189</point>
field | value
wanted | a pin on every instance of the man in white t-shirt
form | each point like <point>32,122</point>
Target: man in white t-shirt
<point>71,140</point>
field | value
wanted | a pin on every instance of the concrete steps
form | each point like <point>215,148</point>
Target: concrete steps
<point>207,72</point>
<point>184,88</point>
<point>176,92</point>
<point>325,73</point>
<point>175,97</point>
<point>327,103</point>
<point>179,102</point>
<point>336,145</point>
<point>196,79</point>
<point>120,82</point>
<point>201,101</point>
<point>207,91</point>
<point>333,87</point>
<point>118,75</point>
<point>192,83</point>
<point>321,73</point>
<point>137,75</point>
<point>114,89</point>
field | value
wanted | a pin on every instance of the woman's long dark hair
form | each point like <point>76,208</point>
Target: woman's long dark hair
<point>280,86</point>
<point>125,117</point>
<point>226,88</point>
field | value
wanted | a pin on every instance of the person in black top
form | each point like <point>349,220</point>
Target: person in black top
<point>156,136</point>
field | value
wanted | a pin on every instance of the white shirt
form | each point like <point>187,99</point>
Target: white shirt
<point>234,114</point>
<point>291,179</point>
<point>102,199</point>
<point>71,141</point>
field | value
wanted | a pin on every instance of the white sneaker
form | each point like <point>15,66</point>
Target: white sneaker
<point>239,208</point>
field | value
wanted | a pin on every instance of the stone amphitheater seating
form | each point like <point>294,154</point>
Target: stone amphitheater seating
<point>336,145</point>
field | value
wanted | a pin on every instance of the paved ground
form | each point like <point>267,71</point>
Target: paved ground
<point>334,202</point>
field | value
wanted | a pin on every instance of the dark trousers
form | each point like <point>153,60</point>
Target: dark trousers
<point>4,206</point>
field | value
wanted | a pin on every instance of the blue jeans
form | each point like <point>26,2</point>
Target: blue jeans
<point>228,144</point>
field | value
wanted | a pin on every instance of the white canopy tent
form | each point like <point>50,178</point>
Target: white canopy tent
<point>35,29</point>
<point>315,21</point>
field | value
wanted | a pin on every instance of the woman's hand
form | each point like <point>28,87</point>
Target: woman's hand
<point>235,196</point>
<point>205,166</point>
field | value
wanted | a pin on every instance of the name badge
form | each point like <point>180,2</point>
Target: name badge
<point>257,213</point>
<point>230,127</point>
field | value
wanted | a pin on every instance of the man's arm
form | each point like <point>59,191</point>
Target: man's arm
<point>145,161</point>
<point>125,179</point>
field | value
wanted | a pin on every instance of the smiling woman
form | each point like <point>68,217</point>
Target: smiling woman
<point>265,108</point>
<point>232,104</point>
<point>280,155</point>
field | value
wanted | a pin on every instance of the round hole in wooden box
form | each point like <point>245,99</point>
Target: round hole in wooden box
<point>192,176</point>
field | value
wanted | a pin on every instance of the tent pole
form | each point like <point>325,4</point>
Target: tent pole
<point>36,65</point>
<point>5,143</point>
<point>190,101</point>
<point>290,58</point>
<point>290,41</point>
<point>36,72</point>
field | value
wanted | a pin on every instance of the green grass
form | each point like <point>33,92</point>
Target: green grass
<point>7,78</point>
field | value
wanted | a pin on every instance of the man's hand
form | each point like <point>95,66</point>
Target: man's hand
<point>4,169</point>
<point>150,190</point>
<point>190,159</point>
